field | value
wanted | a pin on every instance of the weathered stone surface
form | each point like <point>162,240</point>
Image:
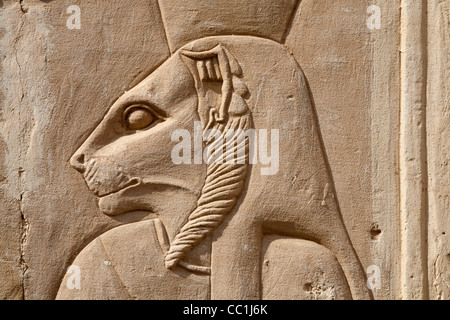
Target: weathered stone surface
<point>57,84</point>
<point>353,76</point>
<point>106,110</point>
<point>438,145</point>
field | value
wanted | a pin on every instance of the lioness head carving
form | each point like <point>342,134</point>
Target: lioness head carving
<point>128,156</point>
<point>221,83</point>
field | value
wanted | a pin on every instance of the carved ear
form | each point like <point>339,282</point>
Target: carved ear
<point>216,71</point>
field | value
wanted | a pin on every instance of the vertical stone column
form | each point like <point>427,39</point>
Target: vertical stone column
<point>384,141</point>
<point>413,156</point>
<point>438,146</point>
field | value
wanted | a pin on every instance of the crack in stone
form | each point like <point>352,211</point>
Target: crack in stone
<point>17,61</point>
<point>23,240</point>
<point>24,226</point>
<point>22,8</point>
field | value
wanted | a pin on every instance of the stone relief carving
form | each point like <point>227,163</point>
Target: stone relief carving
<point>152,213</point>
<point>217,230</point>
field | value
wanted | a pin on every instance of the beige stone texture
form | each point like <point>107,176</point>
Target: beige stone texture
<point>438,146</point>
<point>353,77</point>
<point>104,190</point>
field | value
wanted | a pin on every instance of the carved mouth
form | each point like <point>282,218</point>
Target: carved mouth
<point>130,184</point>
<point>104,177</point>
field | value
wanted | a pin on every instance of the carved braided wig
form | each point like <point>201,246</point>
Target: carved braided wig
<point>227,149</point>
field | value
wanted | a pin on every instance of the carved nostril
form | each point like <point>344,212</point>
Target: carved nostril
<point>77,161</point>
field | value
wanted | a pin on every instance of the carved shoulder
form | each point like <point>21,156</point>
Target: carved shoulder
<point>92,276</point>
<point>128,263</point>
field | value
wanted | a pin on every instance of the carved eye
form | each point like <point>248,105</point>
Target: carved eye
<point>138,117</point>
